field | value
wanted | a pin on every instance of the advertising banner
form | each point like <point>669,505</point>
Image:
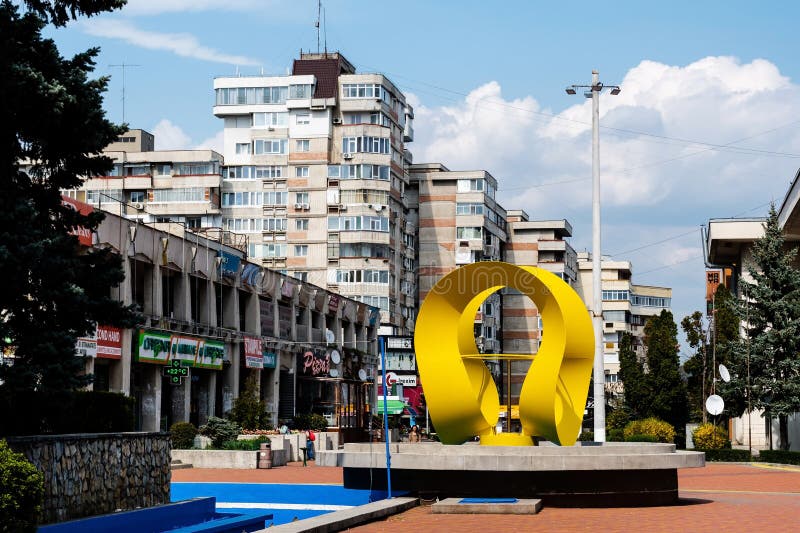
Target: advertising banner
<point>184,348</point>
<point>210,354</point>
<point>229,266</point>
<point>84,234</point>
<point>105,342</point>
<point>253,352</point>
<point>153,346</point>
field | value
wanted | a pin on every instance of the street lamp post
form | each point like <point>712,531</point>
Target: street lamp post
<point>597,294</point>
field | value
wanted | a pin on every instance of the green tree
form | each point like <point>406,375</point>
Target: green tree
<point>52,126</point>
<point>696,366</point>
<point>631,373</point>
<point>667,399</point>
<point>772,310</point>
<point>249,411</point>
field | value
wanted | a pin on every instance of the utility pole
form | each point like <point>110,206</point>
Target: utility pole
<point>123,66</point>
<point>599,384</point>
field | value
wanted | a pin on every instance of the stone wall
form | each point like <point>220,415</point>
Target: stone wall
<point>92,474</point>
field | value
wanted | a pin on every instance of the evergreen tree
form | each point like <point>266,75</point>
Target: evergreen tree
<point>667,399</point>
<point>772,309</point>
<point>631,373</point>
<point>52,122</point>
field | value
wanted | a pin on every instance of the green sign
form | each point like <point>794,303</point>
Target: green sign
<point>175,371</point>
<point>162,347</point>
<point>210,354</point>
<point>270,360</point>
<point>153,346</point>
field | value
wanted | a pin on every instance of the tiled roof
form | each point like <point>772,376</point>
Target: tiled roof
<point>326,72</point>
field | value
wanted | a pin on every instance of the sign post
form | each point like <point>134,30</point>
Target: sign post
<point>175,371</point>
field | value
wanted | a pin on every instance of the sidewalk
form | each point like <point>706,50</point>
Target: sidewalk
<point>719,497</point>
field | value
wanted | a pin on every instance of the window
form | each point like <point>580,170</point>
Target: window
<point>366,172</point>
<point>270,120</point>
<point>103,196</point>
<point>301,172</point>
<point>251,95</point>
<point>650,301</point>
<point>612,378</point>
<point>275,224</point>
<point>361,90</point>
<point>366,144</point>
<point>269,172</point>
<point>302,276</point>
<point>469,233</point>
<point>191,194</point>
<point>616,295</point>
<point>470,209</point>
<point>352,118</point>
<point>137,196</point>
<point>163,169</point>
<point>238,173</point>
<point>270,146</point>
<point>242,199</point>
<point>468,185</point>
<point>364,196</point>
<point>300,91</point>
<point>300,250</point>
<point>301,224</point>
<point>277,198</point>
<point>302,145</point>
<point>197,169</point>
<point>303,118</point>
<point>243,148</point>
<point>137,170</point>
<point>358,223</point>
<point>301,197</point>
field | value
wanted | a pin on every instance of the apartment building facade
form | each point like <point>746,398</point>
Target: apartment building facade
<point>626,307</point>
<point>315,175</point>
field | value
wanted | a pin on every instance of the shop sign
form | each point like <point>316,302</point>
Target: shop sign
<point>105,342</point>
<point>399,343</point>
<point>316,362</point>
<point>270,360</point>
<point>210,354</point>
<point>84,234</point>
<point>184,348</point>
<point>407,380</point>
<point>175,371</point>
<point>253,353</point>
<point>287,289</point>
<point>333,303</point>
<point>229,266</point>
<point>160,347</point>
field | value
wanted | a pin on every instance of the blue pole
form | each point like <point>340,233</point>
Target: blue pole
<point>386,420</point>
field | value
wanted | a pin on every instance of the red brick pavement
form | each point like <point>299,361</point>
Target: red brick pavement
<point>719,497</point>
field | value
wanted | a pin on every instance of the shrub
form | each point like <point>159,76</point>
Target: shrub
<point>615,435</point>
<point>779,456</point>
<point>220,430</point>
<point>249,411</point>
<point>730,456</point>
<point>618,419</point>
<point>641,438</point>
<point>21,491</point>
<point>710,437</point>
<point>586,436</point>
<point>312,421</point>
<point>247,444</point>
<point>183,434</point>
<point>662,431</point>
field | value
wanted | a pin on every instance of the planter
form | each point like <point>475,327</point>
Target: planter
<point>239,459</point>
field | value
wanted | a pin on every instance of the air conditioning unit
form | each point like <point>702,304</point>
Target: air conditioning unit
<point>342,207</point>
<point>137,205</point>
<point>306,207</point>
<point>347,156</point>
<point>299,206</point>
<point>270,128</point>
<point>337,120</point>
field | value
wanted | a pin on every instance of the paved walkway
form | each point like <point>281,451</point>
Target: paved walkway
<point>719,497</point>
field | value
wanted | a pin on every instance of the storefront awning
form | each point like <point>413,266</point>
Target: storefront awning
<point>393,407</point>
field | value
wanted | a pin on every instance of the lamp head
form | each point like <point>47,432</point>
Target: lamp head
<point>570,90</point>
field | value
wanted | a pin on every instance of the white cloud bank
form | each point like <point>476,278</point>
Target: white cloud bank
<point>154,7</point>
<point>170,136</point>
<point>654,187</point>
<point>181,44</point>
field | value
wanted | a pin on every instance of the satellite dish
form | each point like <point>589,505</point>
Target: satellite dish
<point>330,338</point>
<point>724,374</point>
<point>334,373</point>
<point>362,374</point>
<point>336,358</point>
<point>715,404</point>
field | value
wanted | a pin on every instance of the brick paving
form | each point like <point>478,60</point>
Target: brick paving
<point>719,497</point>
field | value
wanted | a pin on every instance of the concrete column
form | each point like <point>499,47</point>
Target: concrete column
<point>230,376</point>
<point>151,398</point>
<point>183,296</point>
<point>212,398</point>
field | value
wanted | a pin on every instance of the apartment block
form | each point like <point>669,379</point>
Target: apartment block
<point>315,177</point>
<point>626,307</point>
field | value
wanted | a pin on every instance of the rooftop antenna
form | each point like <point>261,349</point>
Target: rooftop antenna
<point>325,30</point>
<point>319,8</point>
<point>123,66</point>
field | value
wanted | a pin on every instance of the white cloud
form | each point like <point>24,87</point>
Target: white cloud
<point>212,143</point>
<point>169,136</point>
<point>182,44</point>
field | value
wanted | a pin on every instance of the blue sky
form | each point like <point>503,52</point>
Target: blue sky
<point>707,124</point>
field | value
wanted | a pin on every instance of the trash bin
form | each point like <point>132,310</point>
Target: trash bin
<point>265,455</point>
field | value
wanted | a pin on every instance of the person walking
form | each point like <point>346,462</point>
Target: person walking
<point>413,434</point>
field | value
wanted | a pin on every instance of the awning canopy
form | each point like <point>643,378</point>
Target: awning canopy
<point>411,411</point>
<point>393,407</point>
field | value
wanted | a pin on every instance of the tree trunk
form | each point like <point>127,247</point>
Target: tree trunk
<point>783,421</point>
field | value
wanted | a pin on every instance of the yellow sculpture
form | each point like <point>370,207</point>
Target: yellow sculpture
<point>460,393</point>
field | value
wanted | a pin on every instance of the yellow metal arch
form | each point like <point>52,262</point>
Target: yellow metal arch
<point>459,390</point>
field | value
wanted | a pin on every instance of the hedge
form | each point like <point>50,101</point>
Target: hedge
<point>660,430</point>
<point>779,456</point>
<point>183,434</point>
<point>727,455</point>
